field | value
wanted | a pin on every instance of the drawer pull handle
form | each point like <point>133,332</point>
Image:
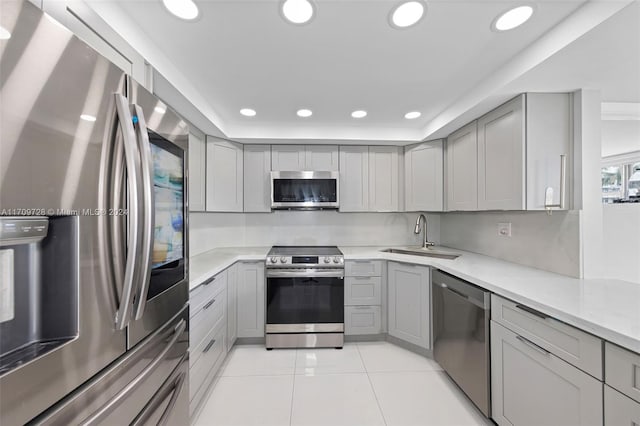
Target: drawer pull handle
<point>532,311</point>
<point>533,345</point>
<point>206,349</point>
<point>209,281</point>
<point>362,307</point>
<point>361,278</point>
<point>362,261</point>
<point>211,302</point>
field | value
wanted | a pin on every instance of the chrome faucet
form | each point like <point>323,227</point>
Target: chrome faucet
<point>425,242</point>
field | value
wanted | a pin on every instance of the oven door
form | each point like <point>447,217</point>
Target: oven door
<point>304,190</point>
<point>305,301</point>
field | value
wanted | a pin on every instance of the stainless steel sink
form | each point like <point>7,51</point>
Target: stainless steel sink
<point>419,251</point>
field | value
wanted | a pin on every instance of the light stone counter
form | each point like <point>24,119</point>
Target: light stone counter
<point>609,309</point>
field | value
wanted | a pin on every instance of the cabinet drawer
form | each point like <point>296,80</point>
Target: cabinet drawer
<point>362,291</point>
<point>363,268</point>
<point>201,295</point>
<point>572,345</point>
<point>622,370</point>
<point>620,410</point>
<point>206,320</point>
<point>362,320</point>
<point>211,349</point>
<point>530,386</point>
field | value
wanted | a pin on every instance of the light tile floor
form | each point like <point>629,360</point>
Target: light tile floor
<point>364,384</point>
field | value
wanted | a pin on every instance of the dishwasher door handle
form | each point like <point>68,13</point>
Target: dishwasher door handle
<point>446,287</point>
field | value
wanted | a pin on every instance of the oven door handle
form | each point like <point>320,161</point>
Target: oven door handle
<point>305,273</point>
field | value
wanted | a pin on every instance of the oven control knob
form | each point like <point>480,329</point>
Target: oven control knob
<point>336,259</point>
<point>273,259</point>
<point>327,260</point>
<point>283,259</point>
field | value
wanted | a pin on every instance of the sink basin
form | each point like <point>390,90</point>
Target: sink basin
<point>419,251</point>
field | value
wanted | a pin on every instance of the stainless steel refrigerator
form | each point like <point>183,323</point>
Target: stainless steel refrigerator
<point>93,236</point>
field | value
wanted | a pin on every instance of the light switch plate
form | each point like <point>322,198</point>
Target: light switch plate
<point>504,229</point>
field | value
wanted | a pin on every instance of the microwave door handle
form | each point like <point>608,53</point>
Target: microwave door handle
<point>148,206</point>
<point>133,188</point>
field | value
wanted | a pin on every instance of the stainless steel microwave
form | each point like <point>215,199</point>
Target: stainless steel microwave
<point>304,190</point>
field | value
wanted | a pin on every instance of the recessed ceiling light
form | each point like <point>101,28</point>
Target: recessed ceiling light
<point>513,18</point>
<point>411,115</point>
<point>4,33</point>
<point>160,109</point>
<point>297,11</point>
<point>248,112</point>
<point>87,117</point>
<point>304,113</point>
<point>359,114</point>
<point>407,14</point>
<point>183,9</point>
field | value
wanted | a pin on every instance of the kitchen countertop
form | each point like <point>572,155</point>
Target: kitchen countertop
<point>606,308</point>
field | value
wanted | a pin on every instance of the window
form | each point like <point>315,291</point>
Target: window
<point>621,182</point>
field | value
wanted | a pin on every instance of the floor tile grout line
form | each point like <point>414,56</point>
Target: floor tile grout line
<point>371,384</point>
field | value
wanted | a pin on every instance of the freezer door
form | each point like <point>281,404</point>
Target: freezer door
<point>58,122</point>
<point>148,382</point>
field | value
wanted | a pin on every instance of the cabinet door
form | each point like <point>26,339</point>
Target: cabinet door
<point>549,129</point>
<point>354,178</point>
<point>462,168</point>
<point>321,158</point>
<point>197,172</point>
<point>620,409</point>
<point>251,301</point>
<point>384,175</point>
<point>232,305</point>
<point>409,303</point>
<point>501,157</point>
<point>224,175</point>
<point>424,180</point>
<point>529,386</point>
<point>362,320</point>
<point>288,158</point>
<point>257,180</point>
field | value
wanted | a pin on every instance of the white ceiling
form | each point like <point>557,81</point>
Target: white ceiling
<point>241,53</point>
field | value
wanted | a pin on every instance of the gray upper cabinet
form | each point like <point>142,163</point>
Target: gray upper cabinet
<point>257,181</point>
<point>530,386</point>
<point>409,306</point>
<point>321,158</point>
<point>501,157</point>
<point>304,157</point>
<point>508,158</point>
<point>462,168</point>
<point>549,135</point>
<point>385,178</point>
<point>224,175</point>
<point>354,178</point>
<point>197,171</point>
<point>423,167</point>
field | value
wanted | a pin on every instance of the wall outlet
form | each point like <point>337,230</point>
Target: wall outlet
<point>504,229</point>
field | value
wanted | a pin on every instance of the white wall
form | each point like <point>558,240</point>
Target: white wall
<point>211,230</point>
<point>537,239</point>
<point>622,241</point>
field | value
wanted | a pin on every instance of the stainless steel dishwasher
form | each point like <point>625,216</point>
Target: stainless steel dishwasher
<point>461,314</point>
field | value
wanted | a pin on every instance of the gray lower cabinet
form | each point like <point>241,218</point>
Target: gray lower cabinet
<point>409,303</point>
<point>232,305</point>
<point>531,386</point>
<point>359,320</point>
<point>363,297</point>
<point>251,299</point>
<point>619,409</point>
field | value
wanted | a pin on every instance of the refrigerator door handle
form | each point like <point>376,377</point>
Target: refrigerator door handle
<point>148,206</point>
<point>132,161</point>
<point>118,398</point>
<point>172,386</point>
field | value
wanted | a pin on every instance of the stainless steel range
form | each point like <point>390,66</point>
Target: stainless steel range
<point>305,297</point>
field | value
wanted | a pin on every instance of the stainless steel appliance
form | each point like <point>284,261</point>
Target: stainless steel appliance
<point>461,345</point>
<point>305,190</point>
<point>305,297</point>
<point>96,294</point>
